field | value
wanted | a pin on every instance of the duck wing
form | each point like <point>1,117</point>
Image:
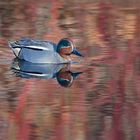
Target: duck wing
<point>33,44</point>
<point>27,43</point>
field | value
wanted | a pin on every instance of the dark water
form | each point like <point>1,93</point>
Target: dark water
<point>103,102</point>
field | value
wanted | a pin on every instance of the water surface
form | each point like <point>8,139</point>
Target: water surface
<point>102,103</point>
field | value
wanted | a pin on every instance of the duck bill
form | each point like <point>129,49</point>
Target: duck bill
<point>76,52</point>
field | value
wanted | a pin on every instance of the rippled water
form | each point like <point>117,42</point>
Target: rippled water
<point>102,101</point>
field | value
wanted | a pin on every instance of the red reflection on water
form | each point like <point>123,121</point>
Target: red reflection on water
<point>104,102</point>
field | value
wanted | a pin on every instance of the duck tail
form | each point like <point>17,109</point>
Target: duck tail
<point>14,47</point>
<point>12,44</point>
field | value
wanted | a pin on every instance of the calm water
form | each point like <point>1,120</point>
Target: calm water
<point>102,100</point>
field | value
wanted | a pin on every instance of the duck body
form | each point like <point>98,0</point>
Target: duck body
<point>36,51</point>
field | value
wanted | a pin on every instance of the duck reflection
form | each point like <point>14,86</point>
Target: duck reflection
<point>60,72</point>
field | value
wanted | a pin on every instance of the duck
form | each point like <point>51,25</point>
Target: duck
<point>59,72</point>
<point>40,51</point>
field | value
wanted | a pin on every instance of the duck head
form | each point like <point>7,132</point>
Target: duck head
<point>66,47</point>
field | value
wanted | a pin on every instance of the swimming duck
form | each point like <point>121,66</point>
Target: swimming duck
<point>38,51</point>
<point>59,72</point>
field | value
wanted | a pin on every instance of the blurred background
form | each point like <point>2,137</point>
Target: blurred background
<point>103,103</point>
